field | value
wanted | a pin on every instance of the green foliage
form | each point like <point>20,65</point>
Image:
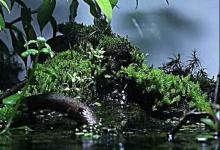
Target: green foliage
<point>71,73</point>
<point>5,114</point>
<point>2,23</point>
<point>16,100</point>
<point>106,8</point>
<point>174,90</point>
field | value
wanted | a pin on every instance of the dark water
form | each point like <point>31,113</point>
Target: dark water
<point>67,140</point>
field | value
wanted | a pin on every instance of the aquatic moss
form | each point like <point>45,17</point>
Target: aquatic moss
<point>172,89</point>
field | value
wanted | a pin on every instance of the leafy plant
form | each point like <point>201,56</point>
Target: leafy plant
<point>13,102</point>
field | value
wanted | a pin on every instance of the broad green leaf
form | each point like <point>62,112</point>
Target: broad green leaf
<point>210,123</point>
<point>73,10</point>
<point>45,12</point>
<point>12,100</point>
<point>5,5</point>
<point>29,52</point>
<point>106,8</point>
<point>2,23</point>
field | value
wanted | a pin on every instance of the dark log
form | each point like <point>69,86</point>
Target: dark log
<point>76,110</point>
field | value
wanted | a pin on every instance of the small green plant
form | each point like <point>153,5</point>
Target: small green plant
<point>13,102</point>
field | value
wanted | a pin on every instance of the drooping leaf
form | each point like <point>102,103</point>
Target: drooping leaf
<point>93,8</point>
<point>12,100</point>
<point>45,12</point>
<point>210,123</point>
<point>26,22</point>
<point>29,52</point>
<point>53,23</point>
<point>137,2</point>
<point>2,22</point>
<point>73,10</point>
<point>106,8</point>
<point>4,52</point>
<point>20,2</point>
<point>47,51</point>
<point>17,41</point>
<point>3,2</point>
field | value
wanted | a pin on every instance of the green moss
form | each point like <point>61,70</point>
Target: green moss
<point>69,73</point>
<point>5,114</point>
<point>173,89</point>
<point>120,51</point>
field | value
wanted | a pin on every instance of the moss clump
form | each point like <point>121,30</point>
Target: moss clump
<point>70,73</point>
<point>119,52</point>
<point>5,114</point>
<point>162,89</point>
<point>80,34</point>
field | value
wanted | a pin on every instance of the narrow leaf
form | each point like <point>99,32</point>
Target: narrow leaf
<point>73,10</point>
<point>210,123</point>
<point>45,12</point>
<point>93,9</point>
<point>5,5</point>
<point>2,23</point>
<point>53,23</point>
<point>12,100</point>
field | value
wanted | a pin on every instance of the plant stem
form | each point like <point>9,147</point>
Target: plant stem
<point>18,103</point>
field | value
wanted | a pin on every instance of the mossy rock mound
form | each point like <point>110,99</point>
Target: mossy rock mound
<point>113,64</point>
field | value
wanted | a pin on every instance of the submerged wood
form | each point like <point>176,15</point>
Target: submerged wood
<point>76,110</point>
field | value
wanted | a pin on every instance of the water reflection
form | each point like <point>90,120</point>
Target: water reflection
<point>51,140</point>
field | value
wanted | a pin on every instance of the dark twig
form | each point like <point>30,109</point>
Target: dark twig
<point>217,90</point>
<point>191,115</point>
<point>13,90</point>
